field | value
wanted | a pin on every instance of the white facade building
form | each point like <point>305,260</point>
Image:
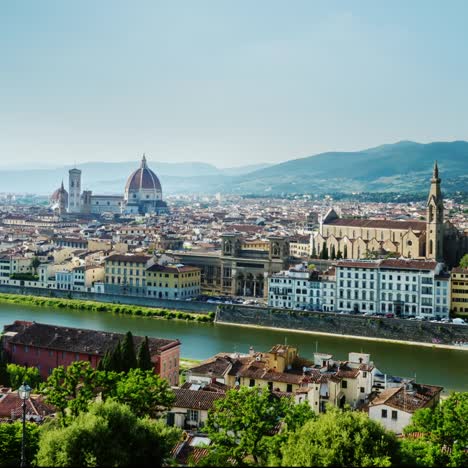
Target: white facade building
<point>393,286</point>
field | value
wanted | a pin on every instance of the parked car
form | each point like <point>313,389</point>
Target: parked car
<point>368,314</point>
<point>389,315</point>
<point>459,321</point>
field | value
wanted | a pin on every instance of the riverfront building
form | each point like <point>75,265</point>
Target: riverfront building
<point>459,289</point>
<point>401,287</point>
<point>46,347</point>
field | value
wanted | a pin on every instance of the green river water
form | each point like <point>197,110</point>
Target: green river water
<point>435,366</point>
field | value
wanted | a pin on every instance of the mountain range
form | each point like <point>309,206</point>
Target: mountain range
<point>400,167</point>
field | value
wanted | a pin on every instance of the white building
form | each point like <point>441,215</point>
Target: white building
<point>394,407</point>
<point>290,288</point>
<point>403,287</point>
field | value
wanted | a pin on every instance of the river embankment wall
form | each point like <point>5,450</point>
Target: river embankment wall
<point>344,324</point>
<point>189,306</point>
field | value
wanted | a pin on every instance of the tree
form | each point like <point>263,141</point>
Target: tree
<point>340,438</point>
<point>10,443</point>
<point>464,261</point>
<point>324,253</point>
<point>144,356</point>
<point>129,360</point>
<point>144,392</point>
<point>314,252</point>
<point>444,431</point>
<point>108,435</point>
<point>241,425</point>
<point>72,388</point>
<point>345,251</point>
<point>35,262</point>
<point>4,376</point>
<point>333,252</point>
<point>339,255</point>
<point>18,374</point>
<point>115,359</point>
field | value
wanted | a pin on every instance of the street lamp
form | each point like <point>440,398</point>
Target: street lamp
<point>23,392</point>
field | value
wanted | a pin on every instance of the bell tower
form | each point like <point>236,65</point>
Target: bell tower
<point>435,219</point>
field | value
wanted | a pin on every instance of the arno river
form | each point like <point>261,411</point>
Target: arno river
<point>444,367</point>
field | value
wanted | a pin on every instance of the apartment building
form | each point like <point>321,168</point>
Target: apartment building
<point>399,286</point>
<point>459,290</point>
<point>173,281</point>
<point>126,274</point>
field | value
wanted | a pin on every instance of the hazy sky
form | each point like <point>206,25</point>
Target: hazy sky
<point>227,82</point>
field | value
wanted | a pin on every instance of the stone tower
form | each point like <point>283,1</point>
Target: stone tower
<point>435,219</point>
<point>62,200</point>
<point>74,191</point>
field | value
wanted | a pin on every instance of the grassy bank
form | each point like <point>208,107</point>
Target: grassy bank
<point>95,306</point>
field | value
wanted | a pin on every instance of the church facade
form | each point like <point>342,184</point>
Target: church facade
<point>433,239</point>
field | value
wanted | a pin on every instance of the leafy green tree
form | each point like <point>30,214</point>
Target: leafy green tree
<point>10,443</point>
<point>339,255</point>
<point>110,434</point>
<point>241,425</point>
<point>340,438</point>
<point>72,388</point>
<point>129,360</point>
<point>444,428</point>
<point>464,261</point>
<point>144,392</point>
<point>18,374</point>
<point>144,356</point>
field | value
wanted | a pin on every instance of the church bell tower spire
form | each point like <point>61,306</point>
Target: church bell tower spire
<point>435,219</point>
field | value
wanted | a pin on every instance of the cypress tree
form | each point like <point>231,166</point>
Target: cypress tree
<point>314,252</point>
<point>345,251</point>
<point>115,359</point>
<point>4,376</point>
<point>144,356</point>
<point>333,252</point>
<point>339,255</point>
<point>324,254</point>
<point>129,360</point>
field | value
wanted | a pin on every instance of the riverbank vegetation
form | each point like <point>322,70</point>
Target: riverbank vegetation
<point>96,306</point>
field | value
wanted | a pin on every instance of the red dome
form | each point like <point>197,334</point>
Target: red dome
<point>143,178</point>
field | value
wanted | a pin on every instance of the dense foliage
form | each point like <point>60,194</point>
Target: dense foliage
<point>10,443</point>
<point>109,434</point>
<point>18,374</point>
<point>73,389</point>
<point>340,438</point>
<point>243,425</point>
<point>464,261</point>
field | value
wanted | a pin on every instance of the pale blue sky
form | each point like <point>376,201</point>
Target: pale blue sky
<point>227,82</point>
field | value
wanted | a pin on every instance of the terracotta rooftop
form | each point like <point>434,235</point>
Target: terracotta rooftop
<point>128,258</point>
<point>195,399</point>
<point>76,340</point>
<point>379,224</point>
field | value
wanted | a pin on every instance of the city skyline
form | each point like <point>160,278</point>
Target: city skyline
<point>226,85</point>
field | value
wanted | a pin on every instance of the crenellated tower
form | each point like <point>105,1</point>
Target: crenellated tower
<point>435,219</point>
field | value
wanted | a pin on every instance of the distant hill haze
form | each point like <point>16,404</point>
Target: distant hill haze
<point>401,167</point>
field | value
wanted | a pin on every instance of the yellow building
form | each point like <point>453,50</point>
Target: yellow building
<point>173,281</point>
<point>126,274</point>
<point>459,293</point>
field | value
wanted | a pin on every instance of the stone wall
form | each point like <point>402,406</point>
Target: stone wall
<point>340,324</point>
<point>189,306</point>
